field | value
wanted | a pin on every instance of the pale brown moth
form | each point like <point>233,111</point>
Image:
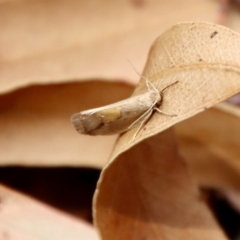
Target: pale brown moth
<point>121,116</point>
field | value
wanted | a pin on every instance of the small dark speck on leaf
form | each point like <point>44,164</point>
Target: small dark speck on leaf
<point>213,34</point>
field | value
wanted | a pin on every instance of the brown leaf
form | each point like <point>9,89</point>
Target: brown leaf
<point>147,193</point>
<point>206,65</point>
<point>210,144</point>
<point>22,218</point>
<point>58,41</point>
<point>36,129</point>
<point>141,188</point>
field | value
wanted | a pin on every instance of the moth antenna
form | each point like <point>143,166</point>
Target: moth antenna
<point>152,85</point>
<point>148,83</point>
<point>168,86</point>
<point>164,113</point>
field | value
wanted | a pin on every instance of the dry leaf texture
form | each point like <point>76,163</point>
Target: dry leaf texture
<point>36,129</point>
<point>62,40</point>
<point>209,142</point>
<point>71,40</point>
<point>23,218</point>
<point>205,60</point>
<point>146,192</point>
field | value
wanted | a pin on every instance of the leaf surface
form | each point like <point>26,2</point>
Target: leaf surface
<point>60,41</point>
<point>145,192</point>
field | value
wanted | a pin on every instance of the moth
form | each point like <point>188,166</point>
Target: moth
<point>123,115</point>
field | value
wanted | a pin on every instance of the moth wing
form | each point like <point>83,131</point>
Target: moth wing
<point>114,118</point>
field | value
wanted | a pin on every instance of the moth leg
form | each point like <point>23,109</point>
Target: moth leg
<point>142,123</point>
<point>146,113</point>
<point>168,86</point>
<point>164,113</point>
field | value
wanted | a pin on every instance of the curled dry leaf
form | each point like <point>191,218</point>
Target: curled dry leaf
<point>210,142</point>
<point>145,192</point>
<point>36,129</point>
<point>61,41</point>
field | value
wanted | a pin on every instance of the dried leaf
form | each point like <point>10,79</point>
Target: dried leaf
<point>186,51</point>
<point>23,218</point>
<point>210,144</point>
<point>36,129</point>
<point>147,193</point>
<point>140,185</point>
<point>58,41</point>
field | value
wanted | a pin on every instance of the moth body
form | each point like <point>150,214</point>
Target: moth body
<point>117,117</point>
<point>121,116</point>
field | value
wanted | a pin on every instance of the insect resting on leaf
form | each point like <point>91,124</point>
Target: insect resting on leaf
<point>123,115</point>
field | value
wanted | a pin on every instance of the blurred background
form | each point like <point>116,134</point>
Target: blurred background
<point>61,57</point>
